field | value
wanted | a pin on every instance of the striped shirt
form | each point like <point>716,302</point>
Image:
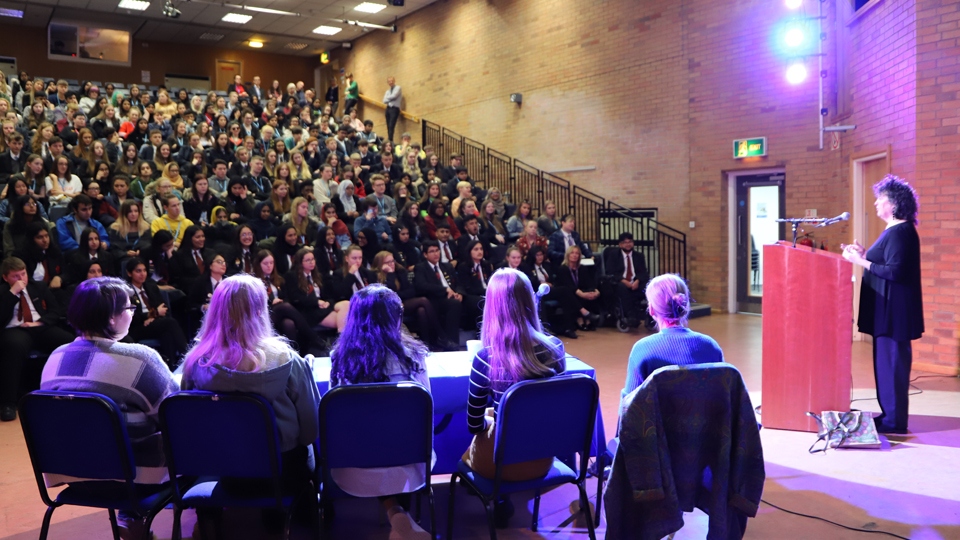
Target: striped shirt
<point>675,346</point>
<point>485,393</point>
<point>133,376</point>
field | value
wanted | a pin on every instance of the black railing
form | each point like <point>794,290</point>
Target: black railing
<point>599,221</point>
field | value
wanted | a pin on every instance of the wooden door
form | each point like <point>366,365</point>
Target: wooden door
<point>226,69</point>
<point>868,172</point>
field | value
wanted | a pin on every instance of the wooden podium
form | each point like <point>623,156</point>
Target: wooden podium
<point>807,335</point>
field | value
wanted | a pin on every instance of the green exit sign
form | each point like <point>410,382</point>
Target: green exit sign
<point>744,148</point>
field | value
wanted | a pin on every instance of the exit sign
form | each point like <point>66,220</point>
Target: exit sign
<point>744,148</point>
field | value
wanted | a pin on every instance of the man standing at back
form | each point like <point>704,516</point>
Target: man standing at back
<point>392,99</point>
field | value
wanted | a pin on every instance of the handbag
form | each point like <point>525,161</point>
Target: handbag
<point>850,429</point>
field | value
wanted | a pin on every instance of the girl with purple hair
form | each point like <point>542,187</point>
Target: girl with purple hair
<point>374,347</point>
<point>237,350</point>
<point>515,349</point>
<point>668,301</point>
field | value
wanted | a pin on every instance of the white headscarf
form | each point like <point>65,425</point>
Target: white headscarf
<point>349,205</point>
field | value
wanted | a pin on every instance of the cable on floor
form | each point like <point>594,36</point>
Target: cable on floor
<point>856,529</point>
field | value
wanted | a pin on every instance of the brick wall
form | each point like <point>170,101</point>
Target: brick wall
<point>653,93</point>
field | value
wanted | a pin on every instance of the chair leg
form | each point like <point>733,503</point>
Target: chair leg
<point>536,511</point>
<point>45,528</point>
<point>177,533</point>
<point>585,507</point>
<point>113,524</point>
<point>418,507</point>
<point>599,495</point>
<point>433,515</point>
<point>491,521</point>
<point>453,491</point>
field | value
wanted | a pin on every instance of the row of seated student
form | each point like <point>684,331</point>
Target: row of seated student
<point>373,348</point>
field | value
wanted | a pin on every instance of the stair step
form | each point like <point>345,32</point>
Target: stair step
<point>700,310</point>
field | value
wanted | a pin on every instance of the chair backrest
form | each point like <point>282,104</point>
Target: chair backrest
<point>376,425</point>
<point>79,434</point>
<point>220,435</point>
<point>546,418</point>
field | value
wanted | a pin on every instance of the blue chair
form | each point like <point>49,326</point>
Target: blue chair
<point>538,419</point>
<point>397,429</point>
<point>84,435</point>
<point>211,437</point>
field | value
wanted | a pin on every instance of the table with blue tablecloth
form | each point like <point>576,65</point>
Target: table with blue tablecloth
<point>449,383</point>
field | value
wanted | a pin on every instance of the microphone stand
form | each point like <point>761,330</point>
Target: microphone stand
<point>795,221</point>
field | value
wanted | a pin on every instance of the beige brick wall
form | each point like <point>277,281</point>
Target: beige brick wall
<point>652,94</point>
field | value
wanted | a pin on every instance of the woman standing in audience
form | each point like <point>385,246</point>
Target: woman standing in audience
<point>313,296</point>
<point>518,221</point>
<point>101,313</point>
<point>668,301</point>
<point>130,234</point>
<point>376,348</point>
<point>582,281</point>
<point>260,362</point>
<point>515,349</point>
<point>152,318</point>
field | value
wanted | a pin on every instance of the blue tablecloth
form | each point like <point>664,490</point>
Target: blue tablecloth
<point>449,382</point>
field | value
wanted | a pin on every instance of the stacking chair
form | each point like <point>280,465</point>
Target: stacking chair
<point>213,436</point>
<point>538,419</point>
<point>84,435</point>
<point>376,425</point>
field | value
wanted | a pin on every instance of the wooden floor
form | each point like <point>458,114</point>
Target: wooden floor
<point>910,487</point>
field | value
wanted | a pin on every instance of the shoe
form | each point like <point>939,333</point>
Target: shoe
<point>502,512</point>
<point>403,527</point>
<point>572,334</point>
<point>134,530</point>
<point>8,413</point>
<point>888,430</point>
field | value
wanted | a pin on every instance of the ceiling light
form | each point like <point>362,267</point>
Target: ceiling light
<point>15,13</point>
<point>327,30</point>
<point>296,46</point>
<point>138,5</point>
<point>236,18</point>
<point>370,7</point>
<point>210,36</point>
<point>268,11</point>
<point>256,44</point>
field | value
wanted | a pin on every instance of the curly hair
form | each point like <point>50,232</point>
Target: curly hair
<point>902,195</point>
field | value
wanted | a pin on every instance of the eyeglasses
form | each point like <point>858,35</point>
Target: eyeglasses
<point>131,308</point>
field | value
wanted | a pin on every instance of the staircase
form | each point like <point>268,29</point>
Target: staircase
<point>599,221</point>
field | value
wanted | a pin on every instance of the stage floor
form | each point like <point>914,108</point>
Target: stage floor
<point>910,487</point>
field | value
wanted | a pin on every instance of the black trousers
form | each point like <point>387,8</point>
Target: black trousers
<point>891,368</point>
<point>393,114</point>
<point>16,344</point>
<point>448,311</point>
<point>348,105</point>
<point>166,330</point>
<point>420,309</point>
<point>630,301</point>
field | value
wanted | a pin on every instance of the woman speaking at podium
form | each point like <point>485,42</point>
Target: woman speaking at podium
<point>891,306</point>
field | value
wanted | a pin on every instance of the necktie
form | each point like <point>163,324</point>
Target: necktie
<point>480,273</point>
<point>199,260</point>
<point>360,281</point>
<point>543,274</point>
<point>436,270</point>
<point>46,272</point>
<point>333,264</point>
<point>576,279</point>
<point>247,263</point>
<point>143,298</point>
<point>446,252</point>
<point>629,268</point>
<point>569,240</point>
<point>25,315</point>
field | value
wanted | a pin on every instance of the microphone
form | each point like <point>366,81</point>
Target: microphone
<point>543,290</point>
<point>842,217</point>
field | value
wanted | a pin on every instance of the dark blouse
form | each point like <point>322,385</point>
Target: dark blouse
<point>891,299</point>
